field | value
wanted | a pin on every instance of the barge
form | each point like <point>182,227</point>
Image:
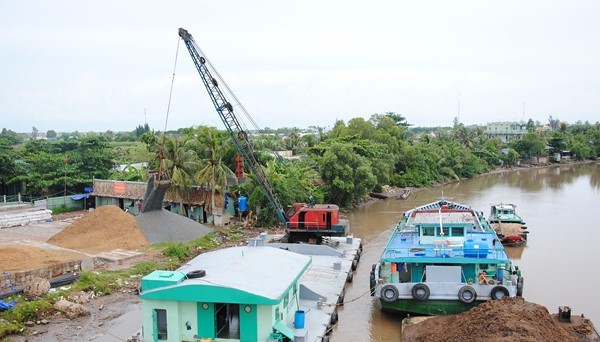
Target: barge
<point>443,258</point>
<point>260,292</point>
<point>509,226</point>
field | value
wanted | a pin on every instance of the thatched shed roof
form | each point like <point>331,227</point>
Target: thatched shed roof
<point>136,190</point>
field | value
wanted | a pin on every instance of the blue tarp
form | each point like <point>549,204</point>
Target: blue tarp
<point>79,197</point>
<point>6,306</point>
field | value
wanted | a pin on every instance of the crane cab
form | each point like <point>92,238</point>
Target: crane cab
<point>319,220</point>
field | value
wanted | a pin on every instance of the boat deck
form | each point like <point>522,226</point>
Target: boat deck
<point>406,245</point>
<point>323,283</point>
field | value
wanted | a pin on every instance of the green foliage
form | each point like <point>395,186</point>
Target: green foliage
<point>145,267</point>
<point>7,328</point>
<point>208,241</point>
<point>531,144</point>
<point>46,172</point>
<point>8,166</point>
<point>103,283</point>
<point>27,310</point>
<point>178,251</point>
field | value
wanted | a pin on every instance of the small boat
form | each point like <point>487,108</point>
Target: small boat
<point>443,258</point>
<point>404,195</point>
<point>509,226</point>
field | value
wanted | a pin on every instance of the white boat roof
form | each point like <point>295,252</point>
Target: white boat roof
<point>447,217</point>
<point>263,271</point>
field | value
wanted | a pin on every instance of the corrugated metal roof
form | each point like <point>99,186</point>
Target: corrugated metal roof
<point>264,271</point>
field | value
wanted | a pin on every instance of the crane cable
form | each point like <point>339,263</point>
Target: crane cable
<point>162,146</point>
<point>171,91</point>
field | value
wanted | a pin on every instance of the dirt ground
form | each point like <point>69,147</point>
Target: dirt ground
<point>16,258</point>
<point>115,317</point>
<point>509,319</point>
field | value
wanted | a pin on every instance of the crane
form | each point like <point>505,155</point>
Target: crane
<point>302,221</point>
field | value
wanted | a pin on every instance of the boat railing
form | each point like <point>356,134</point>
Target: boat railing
<point>445,251</point>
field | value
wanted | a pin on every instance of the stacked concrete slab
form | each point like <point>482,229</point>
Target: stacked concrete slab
<point>21,215</point>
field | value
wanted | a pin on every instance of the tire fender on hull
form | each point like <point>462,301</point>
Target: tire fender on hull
<point>420,292</point>
<point>467,295</point>
<point>389,293</point>
<point>499,292</point>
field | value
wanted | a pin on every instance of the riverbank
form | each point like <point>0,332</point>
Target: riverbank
<point>394,192</point>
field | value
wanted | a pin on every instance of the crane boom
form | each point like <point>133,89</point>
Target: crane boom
<point>236,131</point>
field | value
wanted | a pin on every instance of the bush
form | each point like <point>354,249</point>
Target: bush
<point>27,311</point>
<point>178,251</point>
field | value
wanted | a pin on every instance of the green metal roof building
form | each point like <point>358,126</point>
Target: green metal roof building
<point>233,294</point>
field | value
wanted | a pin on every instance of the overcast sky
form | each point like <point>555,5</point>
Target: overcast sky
<point>100,65</point>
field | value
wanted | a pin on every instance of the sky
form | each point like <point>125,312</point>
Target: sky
<point>108,65</point>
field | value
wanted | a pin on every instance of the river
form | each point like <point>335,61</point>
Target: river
<point>558,204</point>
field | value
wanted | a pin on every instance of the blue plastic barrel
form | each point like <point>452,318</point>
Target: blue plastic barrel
<point>299,319</point>
<point>242,203</point>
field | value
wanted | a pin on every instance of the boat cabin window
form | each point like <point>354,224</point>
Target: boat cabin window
<point>428,231</point>
<point>446,231</point>
<point>160,321</point>
<point>458,231</point>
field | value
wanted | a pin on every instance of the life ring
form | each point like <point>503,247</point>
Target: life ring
<point>420,292</point>
<point>389,293</point>
<point>467,294</point>
<point>354,264</point>
<point>340,300</point>
<point>196,274</point>
<point>499,292</point>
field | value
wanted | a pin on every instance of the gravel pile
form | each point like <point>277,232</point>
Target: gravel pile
<point>163,226</point>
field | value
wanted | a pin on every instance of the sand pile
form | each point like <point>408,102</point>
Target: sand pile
<point>510,319</point>
<point>16,258</point>
<point>104,229</point>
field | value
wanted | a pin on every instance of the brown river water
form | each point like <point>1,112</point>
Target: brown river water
<point>557,203</point>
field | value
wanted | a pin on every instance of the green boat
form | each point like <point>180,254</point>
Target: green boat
<point>509,226</point>
<point>443,258</point>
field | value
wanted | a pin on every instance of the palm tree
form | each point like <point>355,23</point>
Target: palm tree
<point>214,173</point>
<point>178,161</point>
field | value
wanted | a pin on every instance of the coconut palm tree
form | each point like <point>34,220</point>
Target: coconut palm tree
<point>178,161</point>
<point>215,171</point>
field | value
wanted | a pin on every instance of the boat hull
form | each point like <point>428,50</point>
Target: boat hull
<point>429,307</point>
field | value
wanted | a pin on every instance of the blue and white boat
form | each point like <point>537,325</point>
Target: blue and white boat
<point>443,258</point>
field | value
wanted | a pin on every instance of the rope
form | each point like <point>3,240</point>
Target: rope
<point>171,91</point>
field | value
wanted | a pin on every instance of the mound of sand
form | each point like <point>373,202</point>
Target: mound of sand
<point>509,319</point>
<point>104,229</point>
<point>15,258</point>
<point>164,226</point>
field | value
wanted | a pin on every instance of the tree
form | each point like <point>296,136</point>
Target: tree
<point>8,167</point>
<point>34,132</point>
<point>531,144</point>
<point>51,134</point>
<point>177,159</point>
<point>554,123</point>
<point>12,137</point>
<point>347,174</point>
<point>510,157</point>
<point>214,173</point>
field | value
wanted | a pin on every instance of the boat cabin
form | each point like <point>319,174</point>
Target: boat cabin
<point>232,294</point>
